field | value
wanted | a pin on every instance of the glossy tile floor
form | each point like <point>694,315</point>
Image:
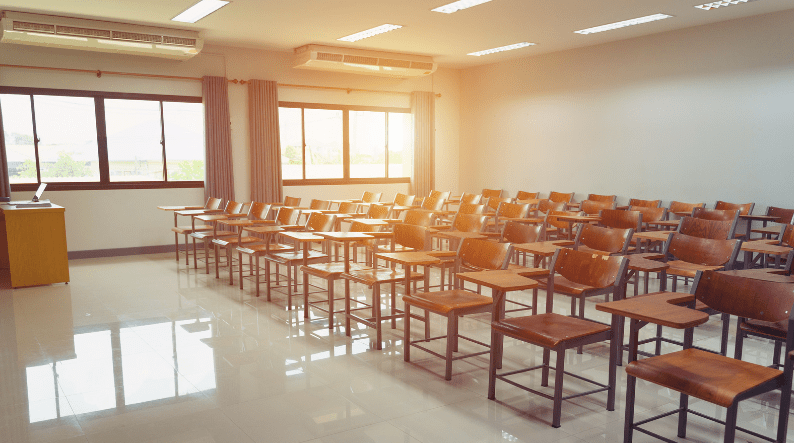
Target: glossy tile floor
<point>140,349</point>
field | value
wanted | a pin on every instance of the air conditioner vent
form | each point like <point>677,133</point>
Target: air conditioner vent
<point>394,63</point>
<point>34,27</point>
<point>83,32</point>
<point>421,65</point>
<point>329,57</point>
<point>361,60</point>
<point>179,41</point>
<point>137,37</point>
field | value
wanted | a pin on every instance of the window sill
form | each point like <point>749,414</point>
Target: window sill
<point>95,186</point>
<point>345,181</point>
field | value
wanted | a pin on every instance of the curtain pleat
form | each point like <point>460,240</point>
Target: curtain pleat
<point>5,184</point>
<point>423,107</point>
<point>265,141</point>
<point>219,180</point>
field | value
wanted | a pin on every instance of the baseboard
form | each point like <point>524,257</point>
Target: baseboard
<point>119,252</point>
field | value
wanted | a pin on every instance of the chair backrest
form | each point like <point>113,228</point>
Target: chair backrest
<point>645,203</point>
<point>319,204</point>
<point>602,198</point>
<point>746,297</point>
<point>598,271</point>
<point>259,211</point>
<point>593,207</point>
<point>547,205</point>
<point>494,202</point>
<point>287,215</point>
<point>611,240</point>
<point>441,195</point>
<point>704,228</point>
<point>515,232</point>
<point>787,239</point>
<point>703,251</point>
<point>378,211</point>
<point>470,208</point>
<point>213,203</point>
<point>404,200</point>
<point>744,208</point>
<point>348,208</point>
<point>371,197</point>
<point>512,210</point>
<point>614,218</point>
<point>684,207</point>
<point>484,254</point>
<point>411,236</point>
<point>716,214</point>
<point>321,222</point>
<point>489,193</point>
<point>561,197</point>
<point>469,222</point>
<point>419,218</point>
<point>524,195</point>
<point>552,220</point>
<point>233,207</point>
<point>292,201</point>
<point>785,216</point>
<point>470,199</point>
<point>433,203</point>
<point>650,215</point>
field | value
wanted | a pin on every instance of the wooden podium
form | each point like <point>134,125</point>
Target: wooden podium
<point>33,245</point>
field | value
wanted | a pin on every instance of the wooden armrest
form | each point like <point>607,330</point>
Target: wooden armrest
<point>263,222</point>
<point>292,227</point>
<point>380,234</point>
<point>563,242</point>
<point>442,254</point>
<point>661,308</point>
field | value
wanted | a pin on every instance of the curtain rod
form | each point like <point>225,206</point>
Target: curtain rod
<point>99,74</point>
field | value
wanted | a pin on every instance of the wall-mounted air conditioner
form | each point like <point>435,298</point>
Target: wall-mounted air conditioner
<point>95,35</point>
<point>355,61</point>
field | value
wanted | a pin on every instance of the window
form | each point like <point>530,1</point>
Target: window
<point>344,144</point>
<point>100,140</point>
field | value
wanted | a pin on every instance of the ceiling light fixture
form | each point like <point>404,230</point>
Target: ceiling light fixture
<point>369,33</point>
<point>624,23</point>
<point>501,48</point>
<point>459,5</point>
<point>199,11</point>
<point>715,5</point>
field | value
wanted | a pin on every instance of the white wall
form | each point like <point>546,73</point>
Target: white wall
<point>129,218</point>
<point>694,115</point>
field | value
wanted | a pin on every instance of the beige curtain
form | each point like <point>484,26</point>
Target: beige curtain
<point>264,142</point>
<point>423,107</point>
<point>219,178</point>
<point>5,184</point>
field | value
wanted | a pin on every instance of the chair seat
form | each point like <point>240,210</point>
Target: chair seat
<point>777,330</point>
<point>373,276</point>
<point>704,375</point>
<point>330,270</point>
<point>262,248</point>
<point>209,235</point>
<point>191,229</point>
<point>565,286</point>
<point>686,269</point>
<point>287,258</point>
<point>235,241</point>
<point>443,302</point>
<point>548,330</point>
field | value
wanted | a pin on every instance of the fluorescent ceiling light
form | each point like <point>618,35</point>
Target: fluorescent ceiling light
<point>715,5</point>
<point>624,23</point>
<point>501,48</point>
<point>459,5</point>
<point>369,33</point>
<point>199,11</point>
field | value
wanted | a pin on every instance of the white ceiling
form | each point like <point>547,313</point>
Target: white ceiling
<point>282,25</point>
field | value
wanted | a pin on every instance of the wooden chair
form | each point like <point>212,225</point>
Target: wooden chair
<point>593,207</point>
<point>461,223</point>
<point>507,210</point>
<point>705,228</point>
<point>558,228</point>
<point>257,215</point>
<point>232,209</point>
<point>515,232</point>
<point>645,203</point>
<point>558,333</point>
<point>744,208</point>
<point>293,202</point>
<point>212,204</point>
<point>480,254</point>
<point>493,203</point>
<point>524,195</point>
<point>603,241</point>
<point>784,216</point>
<point>561,197</point>
<point>407,238</point>
<point>404,200</point>
<point>717,379</point>
<point>683,207</point>
<point>491,193</point>
<point>602,198</point>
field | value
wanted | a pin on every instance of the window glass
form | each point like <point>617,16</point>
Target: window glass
<point>401,138</point>
<point>18,130</point>
<point>184,140</point>
<point>367,144</point>
<point>290,130</point>
<point>134,134</point>
<point>66,128</point>
<point>324,139</point>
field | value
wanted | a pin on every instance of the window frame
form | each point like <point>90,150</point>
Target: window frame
<point>104,182</point>
<point>346,180</point>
